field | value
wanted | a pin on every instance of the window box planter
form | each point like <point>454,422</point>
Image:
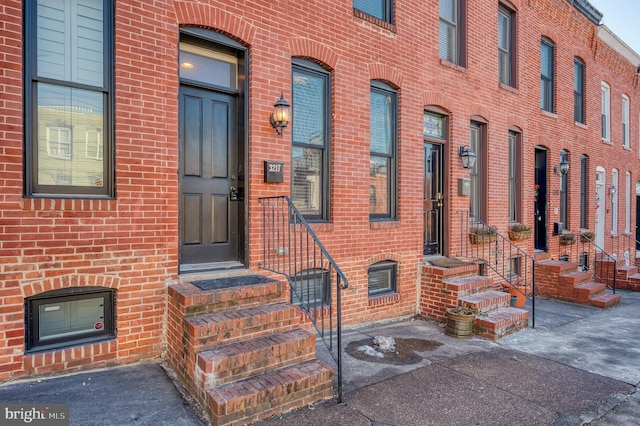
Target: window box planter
<point>482,235</point>
<point>587,236</point>
<point>567,239</point>
<point>519,232</point>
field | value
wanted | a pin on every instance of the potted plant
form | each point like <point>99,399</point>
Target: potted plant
<point>482,235</point>
<point>587,236</point>
<point>460,321</point>
<point>567,238</point>
<point>519,232</point>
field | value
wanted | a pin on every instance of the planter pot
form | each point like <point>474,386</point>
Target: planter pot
<point>519,235</point>
<point>481,238</point>
<point>520,298</point>
<point>460,326</point>
<point>567,243</point>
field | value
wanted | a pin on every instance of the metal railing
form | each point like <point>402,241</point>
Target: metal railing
<point>625,246</point>
<point>480,241</point>
<point>292,249</point>
<point>590,258</point>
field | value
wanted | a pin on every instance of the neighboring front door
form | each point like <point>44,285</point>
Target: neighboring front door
<point>638,215</point>
<point>433,201</point>
<point>209,197</point>
<point>540,200</point>
<point>600,207</point>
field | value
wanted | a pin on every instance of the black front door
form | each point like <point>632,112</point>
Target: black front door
<point>208,176</point>
<point>433,202</point>
<point>637,221</point>
<point>540,200</point>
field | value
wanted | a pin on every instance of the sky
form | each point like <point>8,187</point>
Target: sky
<point>621,17</point>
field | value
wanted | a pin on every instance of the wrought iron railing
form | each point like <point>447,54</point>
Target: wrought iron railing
<point>625,246</point>
<point>292,249</point>
<point>481,242</point>
<point>590,257</point>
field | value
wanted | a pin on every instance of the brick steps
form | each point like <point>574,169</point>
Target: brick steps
<point>487,301</point>
<point>501,322</point>
<point>605,300</point>
<point>211,330</point>
<point>242,353</point>
<point>271,393</point>
<point>243,359</point>
<point>561,280</point>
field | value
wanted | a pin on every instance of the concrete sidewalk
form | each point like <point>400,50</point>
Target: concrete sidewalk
<point>581,365</point>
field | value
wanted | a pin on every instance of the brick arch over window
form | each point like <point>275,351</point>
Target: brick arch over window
<point>314,51</point>
<point>382,257</point>
<point>437,99</point>
<point>550,34</point>
<point>386,73</point>
<point>480,110</point>
<point>515,121</point>
<point>541,141</point>
<point>206,16</point>
<point>67,281</point>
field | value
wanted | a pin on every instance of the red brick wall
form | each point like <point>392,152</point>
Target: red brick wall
<point>132,240</point>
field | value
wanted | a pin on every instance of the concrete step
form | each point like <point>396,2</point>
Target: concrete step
<point>191,300</point>
<point>274,392</point>
<point>487,301</point>
<point>501,322</point>
<point>624,272</point>
<point>210,330</point>
<point>605,300</point>
<point>236,361</point>
<point>585,292</point>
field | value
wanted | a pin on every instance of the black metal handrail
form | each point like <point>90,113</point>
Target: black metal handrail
<point>580,249</point>
<point>292,249</point>
<point>480,241</point>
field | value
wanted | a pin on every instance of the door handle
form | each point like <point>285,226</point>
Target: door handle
<point>440,198</point>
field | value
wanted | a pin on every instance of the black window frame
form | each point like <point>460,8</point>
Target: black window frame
<point>547,78</point>
<point>392,178</point>
<point>515,176</point>
<point>510,78</point>
<point>564,193</point>
<point>32,188</point>
<point>32,316</point>
<point>459,43</point>
<point>477,175</point>
<point>392,287</point>
<point>578,91</point>
<point>584,191</point>
<point>316,70</point>
<point>387,13</point>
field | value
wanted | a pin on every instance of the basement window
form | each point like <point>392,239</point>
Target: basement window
<point>69,317</point>
<point>382,278</point>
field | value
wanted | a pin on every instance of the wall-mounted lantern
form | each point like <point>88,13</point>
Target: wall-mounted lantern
<point>281,115</point>
<point>562,168</point>
<point>468,157</point>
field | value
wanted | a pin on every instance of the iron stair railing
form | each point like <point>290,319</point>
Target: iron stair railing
<point>514,265</point>
<point>292,249</point>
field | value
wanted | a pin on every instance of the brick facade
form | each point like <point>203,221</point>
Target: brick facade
<point>130,243</point>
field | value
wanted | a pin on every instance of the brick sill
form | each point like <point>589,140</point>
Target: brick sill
<point>384,300</point>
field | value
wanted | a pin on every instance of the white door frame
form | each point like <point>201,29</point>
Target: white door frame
<point>601,207</point>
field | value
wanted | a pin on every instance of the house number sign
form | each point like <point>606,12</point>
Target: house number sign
<point>273,171</point>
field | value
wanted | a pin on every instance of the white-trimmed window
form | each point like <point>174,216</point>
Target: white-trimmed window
<point>451,44</point>
<point>93,144</point>
<point>606,111</point>
<point>59,142</point>
<point>625,121</point>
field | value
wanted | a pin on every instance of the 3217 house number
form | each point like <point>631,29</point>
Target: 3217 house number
<point>273,171</point>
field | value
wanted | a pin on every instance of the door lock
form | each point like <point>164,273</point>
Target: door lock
<point>236,194</point>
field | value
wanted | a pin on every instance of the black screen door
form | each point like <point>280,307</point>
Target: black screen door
<point>433,202</point>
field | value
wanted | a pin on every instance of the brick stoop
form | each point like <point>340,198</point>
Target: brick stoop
<point>561,280</point>
<point>242,352</point>
<point>443,288</point>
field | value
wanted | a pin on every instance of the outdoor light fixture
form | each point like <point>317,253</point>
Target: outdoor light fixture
<point>562,168</point>
<point>612,191</point>
<point>468,157</point>
<point>281,115</point>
